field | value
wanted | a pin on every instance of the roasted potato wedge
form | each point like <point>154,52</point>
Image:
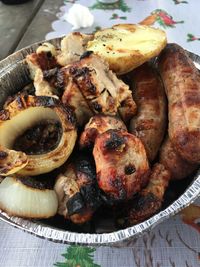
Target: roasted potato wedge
<point>127,46</point>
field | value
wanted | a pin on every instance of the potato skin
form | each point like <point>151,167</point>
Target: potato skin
<point>149,124</point>
<point>124,46</point>
<point>121,164</point>
<point>178,167</point>
<point>182,85</point>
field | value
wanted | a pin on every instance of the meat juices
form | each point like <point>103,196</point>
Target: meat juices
<point>149,124</point>
<point>182,84</point>
<point>121,164</point>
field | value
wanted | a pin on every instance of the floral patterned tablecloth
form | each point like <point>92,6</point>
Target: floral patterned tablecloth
<point>174,243</point>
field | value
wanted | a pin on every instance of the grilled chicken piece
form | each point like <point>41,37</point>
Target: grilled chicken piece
<point>121,164</point>
<point>77,191</point>
<point>72,47</point>
<point>103,91</point>
<point>99,124</point>
<point>150,199</point>
<point>73,97</point>
<point>149,124</point>
<point>170,158</point>
<point>40,66</point>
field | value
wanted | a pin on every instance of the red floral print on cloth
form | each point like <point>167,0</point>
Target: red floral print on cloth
<point>191,38</point>
<point>162,18</point>
<point>116,16</point>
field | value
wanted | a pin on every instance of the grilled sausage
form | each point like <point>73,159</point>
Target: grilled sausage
<point>178,167</point>
<point>121,164</point>
<point>150,199</point>
<point>98,124</point>
<point>182,84</point>
<point>150,122</point>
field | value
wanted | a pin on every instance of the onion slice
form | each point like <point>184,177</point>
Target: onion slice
<point>22,200</point>
<point>23,113</point>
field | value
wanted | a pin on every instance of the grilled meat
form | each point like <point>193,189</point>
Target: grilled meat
<point>170,158</point>
<point>182,84</point>
<point>121,164</point>
<point>77,190</point>
<point>150,122</point>
<point>103,91</point>
<point>98,124</point>
<point>73,97</point>
<point>150,199</point>
<point>72,47</point>
<point>43,66</point>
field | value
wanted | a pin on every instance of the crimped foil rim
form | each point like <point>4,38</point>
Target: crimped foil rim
<point>113,238</point>
<point>106,239</point>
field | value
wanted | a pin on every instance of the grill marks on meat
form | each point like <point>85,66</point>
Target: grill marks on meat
<point>77,190</point>
<point>150,122</point>
<point>121,164</point>
<point>100,87</point>
<point>43,67</point>
<point>150,199</point>
<point>182,84</point>
<point>99,124</point>
<point>73,97</point>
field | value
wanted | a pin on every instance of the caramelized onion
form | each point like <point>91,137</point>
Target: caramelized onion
<point>23,113</point>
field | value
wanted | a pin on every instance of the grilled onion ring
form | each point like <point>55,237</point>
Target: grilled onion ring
<point>25,197</point>
<point>21,114</point>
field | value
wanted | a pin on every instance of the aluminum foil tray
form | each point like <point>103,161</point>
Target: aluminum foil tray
<point>14,76</point>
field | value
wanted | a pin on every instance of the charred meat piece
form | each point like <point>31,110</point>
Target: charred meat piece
<point>150,199</point>
<point>43,67</point>
<point>170,158</point>
<point>150,122</point>
<point>103,91</point>
<point>121,164</point>
<point>73,97</point>
<point>99,124</point>
<point>72,47</point>
<point>77,190</point>
<point>182,84</point>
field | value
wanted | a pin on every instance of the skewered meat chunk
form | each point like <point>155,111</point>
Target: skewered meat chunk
<point>121,164</point>
<point>103,91</point>
<point>150,199</point>
<point>77,191</point>
<point>99,124</point>
<point>150,122</point>
<point>72,47</point>
<point>178,167</point>
<point>182,84</point>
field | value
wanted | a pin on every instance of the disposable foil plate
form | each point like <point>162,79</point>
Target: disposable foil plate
<point>14,76</point>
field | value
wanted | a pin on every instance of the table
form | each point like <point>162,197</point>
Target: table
<point>174,243</point>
